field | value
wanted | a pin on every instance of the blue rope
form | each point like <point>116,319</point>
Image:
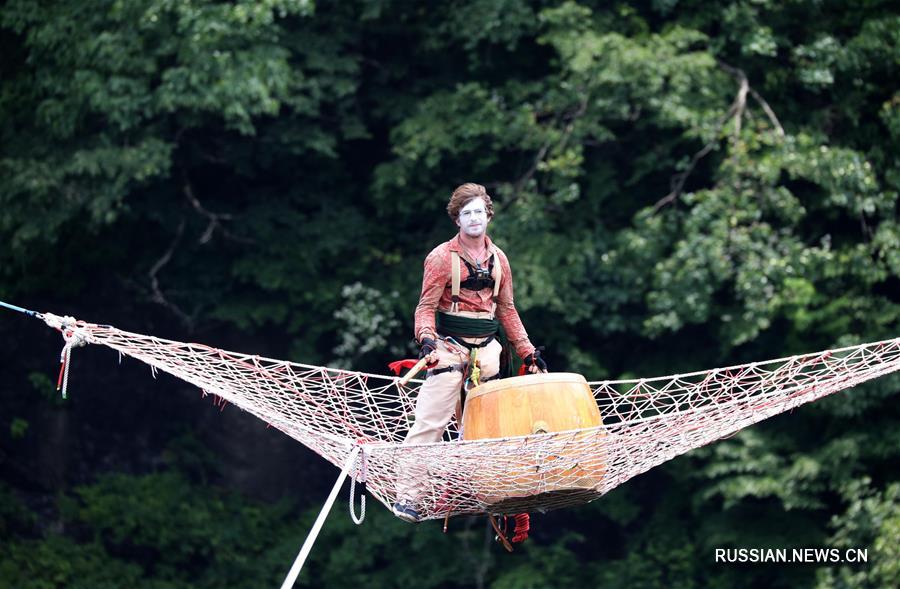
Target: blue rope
<point>19,309</point>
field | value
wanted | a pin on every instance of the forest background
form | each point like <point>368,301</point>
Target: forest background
<point>679,185</point>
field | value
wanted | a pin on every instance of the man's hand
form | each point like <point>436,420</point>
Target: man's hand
<point>535,362</point>
<point>428,350</point>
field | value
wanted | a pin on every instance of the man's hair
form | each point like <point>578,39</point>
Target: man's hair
<point>465,194</point>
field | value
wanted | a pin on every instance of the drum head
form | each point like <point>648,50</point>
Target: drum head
<point>518,382</point>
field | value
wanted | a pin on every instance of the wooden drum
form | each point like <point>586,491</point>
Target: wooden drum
<point>532,404</point>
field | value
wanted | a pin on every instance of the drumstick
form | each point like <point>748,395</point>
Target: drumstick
<point>413,371</point>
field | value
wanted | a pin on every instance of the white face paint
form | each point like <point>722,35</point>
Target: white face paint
<point>473,219</point>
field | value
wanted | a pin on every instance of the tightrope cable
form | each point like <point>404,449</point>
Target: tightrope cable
<point>20,309</point>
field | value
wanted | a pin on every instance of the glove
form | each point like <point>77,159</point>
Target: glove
<point>535,359</point>
<point>428,346</point>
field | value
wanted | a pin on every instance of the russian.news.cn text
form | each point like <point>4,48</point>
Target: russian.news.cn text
<point>792,555</point>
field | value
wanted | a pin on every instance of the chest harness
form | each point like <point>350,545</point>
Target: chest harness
<point>479,278</point>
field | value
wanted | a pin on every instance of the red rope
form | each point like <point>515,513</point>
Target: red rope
<point>523,524</point>
<point>62,369</point>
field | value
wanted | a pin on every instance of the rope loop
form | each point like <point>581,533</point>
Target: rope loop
<point>360,473</point>
<point>74,338</point>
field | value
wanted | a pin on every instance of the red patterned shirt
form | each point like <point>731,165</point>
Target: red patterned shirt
<point>436,295</point>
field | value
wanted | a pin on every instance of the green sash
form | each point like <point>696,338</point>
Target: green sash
<point>456,326</point>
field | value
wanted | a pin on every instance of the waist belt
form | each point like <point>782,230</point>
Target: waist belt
<point>457,326</point>
<point>456,368</point>
<point>467,345</point>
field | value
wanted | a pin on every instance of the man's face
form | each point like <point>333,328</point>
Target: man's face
<point>473,219</point>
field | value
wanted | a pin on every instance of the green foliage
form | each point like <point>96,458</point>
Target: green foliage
<point>18,427</point>
<point>871,522</point>
<point>13,514</point>
<point>369,323</point>
<point>555,565</point>
<point>46,388</point>
<point>381,558</point>
<point>155,531</point>
<point>60,562</point>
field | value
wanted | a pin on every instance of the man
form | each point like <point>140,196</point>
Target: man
<point>467,294</point>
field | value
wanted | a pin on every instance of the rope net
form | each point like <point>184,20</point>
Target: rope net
<point>645,421</point>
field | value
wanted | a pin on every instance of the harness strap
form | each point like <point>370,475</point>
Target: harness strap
<point>451,368</point>
<point>455,277</point>
<point>477,278</point>
<point>454,281</point>
<point>466,344</point>
<point>498,274</point>
<point>458,368</point>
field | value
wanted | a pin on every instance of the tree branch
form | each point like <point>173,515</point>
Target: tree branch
<point>769,112</point>
<point>676,183</point>
<point>571,118</point>
<point>157,294</point>
<point>742,78</point>
<point>736,111</point>
<point>215,219</point>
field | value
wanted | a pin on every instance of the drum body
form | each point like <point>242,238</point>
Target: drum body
<point>571,463</point>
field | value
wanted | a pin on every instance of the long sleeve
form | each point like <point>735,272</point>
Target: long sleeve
<point>434,281</point>
<point>507,314</point>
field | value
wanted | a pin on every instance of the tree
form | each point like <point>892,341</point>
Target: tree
<point>678,186</point>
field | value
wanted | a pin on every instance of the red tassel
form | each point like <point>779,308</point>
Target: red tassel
<point>523,524</point>
<point>397,365</point>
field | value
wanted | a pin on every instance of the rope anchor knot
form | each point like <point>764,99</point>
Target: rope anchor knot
<point>73,339</point>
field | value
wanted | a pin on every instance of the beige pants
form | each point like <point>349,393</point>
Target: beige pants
<point>438,402</point>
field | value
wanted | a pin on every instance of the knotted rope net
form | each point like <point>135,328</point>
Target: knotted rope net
<point>645,421</point>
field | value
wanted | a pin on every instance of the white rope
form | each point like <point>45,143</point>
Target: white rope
<point>67,361</point>
<point>320,521</point>
<point>361,475</point>
<point>74,339</point>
